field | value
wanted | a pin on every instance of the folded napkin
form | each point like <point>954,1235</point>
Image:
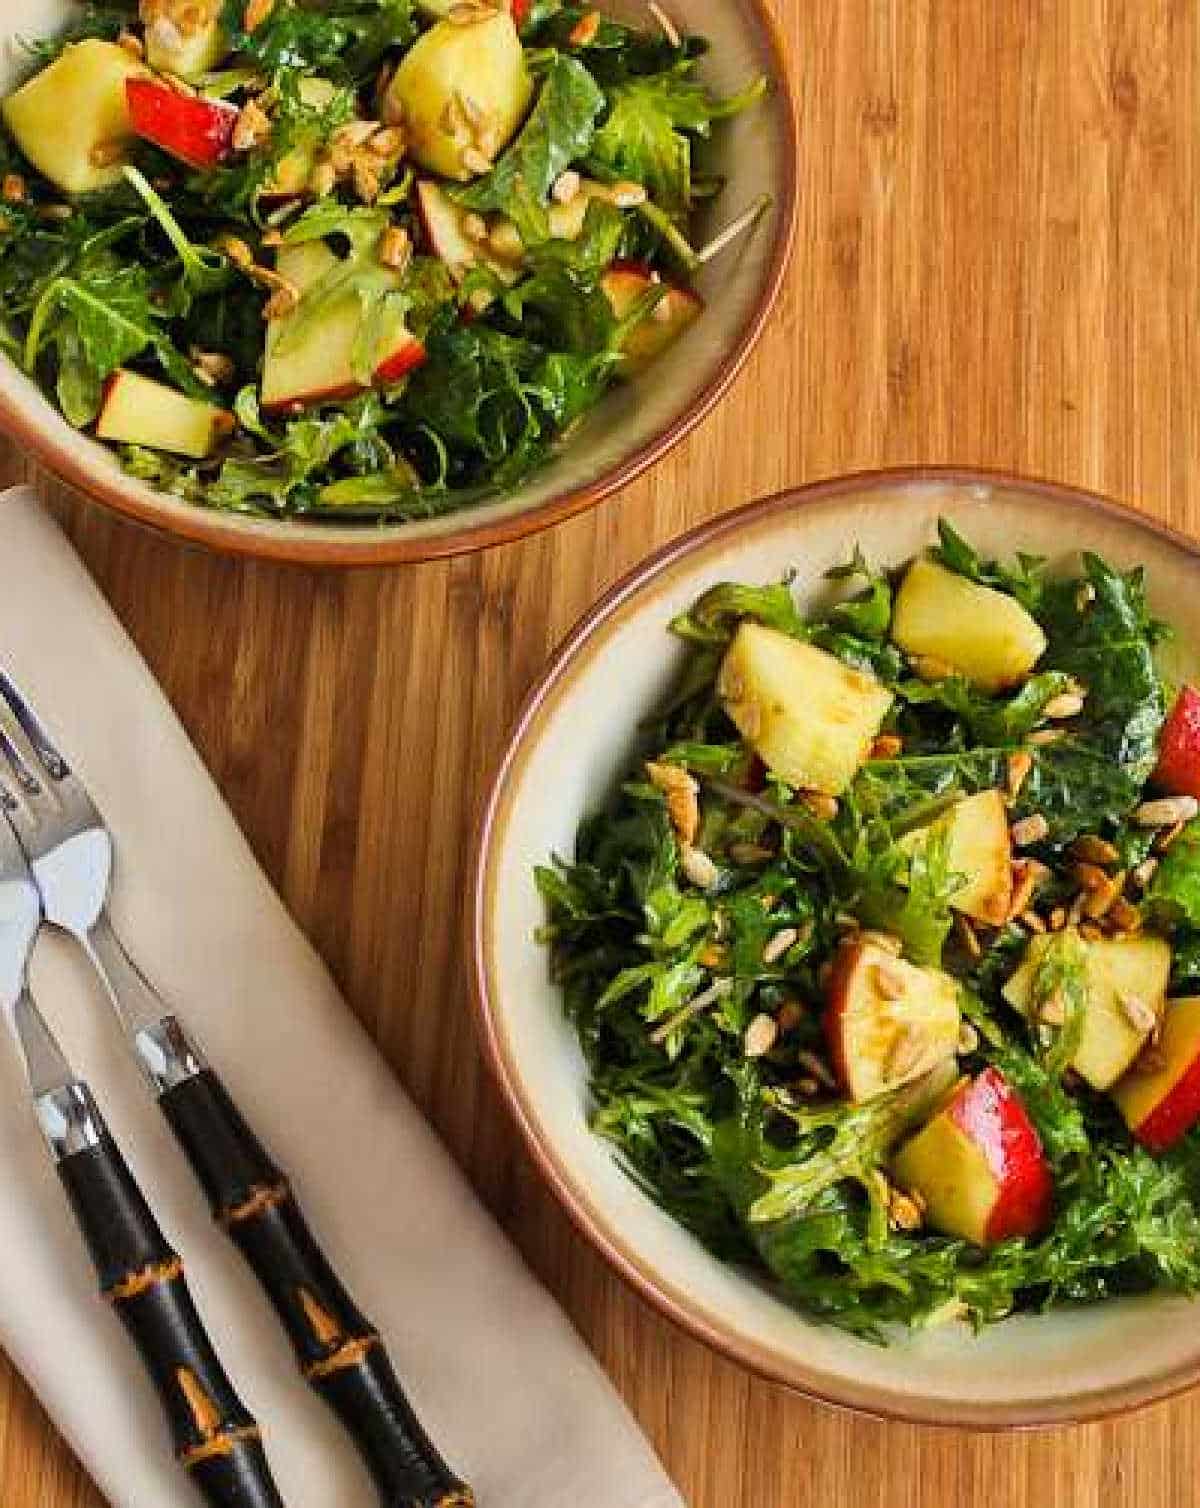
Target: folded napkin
<point>493,1368</point>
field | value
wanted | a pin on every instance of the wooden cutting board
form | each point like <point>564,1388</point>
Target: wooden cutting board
<point>998,264</point>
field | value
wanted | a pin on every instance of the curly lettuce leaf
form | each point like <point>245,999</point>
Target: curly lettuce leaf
<point>647,133</point>
<point>559,131</point>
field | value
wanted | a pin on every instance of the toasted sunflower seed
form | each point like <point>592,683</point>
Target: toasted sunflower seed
<point>1094,850</point>
<point>1019,766</point>
<point>1058,708</point>
<point>698,867</point>
<point>1029,830</point>
<point>1139,1013</point>
<point>1166,811</point>
<point>778,945</point>
<point>584,32</point>
<point>761,1036</point>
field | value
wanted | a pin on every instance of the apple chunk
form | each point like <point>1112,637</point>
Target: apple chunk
<point>1178,768</point>
<point>311,354</point>
<point>482,64</point>
<point>138,411</point>
<point>1160,1098</point>
<point>184,37</point>
<point>979,851</point>
<point>72,120</point>
<point>1124,980</point>
<point>887,1022</point>
<point>675,311</point>
<point>197,131</point>
<point>810,717</point>
<point>979,1165</point>
<point>983,634</point>
<point>444,223</point>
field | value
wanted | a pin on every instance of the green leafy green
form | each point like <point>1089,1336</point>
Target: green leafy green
<point>558,132</point>
<point>646,134</point>
<point>168,267</point>
<point>760,1155</point>
<point>1174,894</point>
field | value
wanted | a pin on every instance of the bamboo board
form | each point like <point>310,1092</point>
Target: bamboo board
<point>997,264</point>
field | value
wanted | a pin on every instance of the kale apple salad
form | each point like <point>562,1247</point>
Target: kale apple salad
<point>885,962</point>
<point>358,257</point>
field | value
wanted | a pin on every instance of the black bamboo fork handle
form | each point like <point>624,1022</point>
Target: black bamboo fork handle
<point>338,1350</point>
<point>216,1440</point>
<point>69,849</point>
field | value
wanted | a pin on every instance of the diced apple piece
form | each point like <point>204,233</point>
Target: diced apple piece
<point>461,90</point>
<point>979,851</point>
<point>983,634</point>
<point>676,310</point>
<point>72,120</point>
<point>1178,768</point>
<point>197,131</point>
<point>1124,979</point>
<point>184,37</point>
<point>294,169</point>
<point>139,411</point>
<point>979,1165</point>
<point>887,1022</point>
<point>310,357</point>
<point>1160,1095</point>
<point>444,225</point>
<point>809,717</point>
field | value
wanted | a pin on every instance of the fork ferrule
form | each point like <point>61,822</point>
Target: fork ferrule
<point>167,1057</point>
<point>69,1120</point>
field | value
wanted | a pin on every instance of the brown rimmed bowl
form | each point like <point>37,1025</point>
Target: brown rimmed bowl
<point>635,425</point>
<point>573,741</point>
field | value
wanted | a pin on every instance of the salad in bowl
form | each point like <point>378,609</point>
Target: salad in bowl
<point>884,959</point>
<point>360,259</point>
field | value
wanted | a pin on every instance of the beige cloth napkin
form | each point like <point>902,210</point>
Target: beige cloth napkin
<point>494,1369</point>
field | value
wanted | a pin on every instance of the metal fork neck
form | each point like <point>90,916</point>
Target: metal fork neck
<point>165,1054</point>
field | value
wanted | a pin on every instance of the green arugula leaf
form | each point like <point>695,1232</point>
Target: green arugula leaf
<point>559,131</point>
<point>646,134</point>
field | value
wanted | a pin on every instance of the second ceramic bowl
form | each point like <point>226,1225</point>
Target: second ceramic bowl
<point>561,763</point>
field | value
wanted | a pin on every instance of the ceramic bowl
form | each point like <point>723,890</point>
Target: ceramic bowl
<point>632,428</point>
<point>560,763</point>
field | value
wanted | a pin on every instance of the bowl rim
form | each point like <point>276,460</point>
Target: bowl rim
<point>297,543</point>
<point>866,1399</point>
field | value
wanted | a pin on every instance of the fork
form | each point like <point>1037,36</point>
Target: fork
<point>338,1350</point>
<point>216,1440</point>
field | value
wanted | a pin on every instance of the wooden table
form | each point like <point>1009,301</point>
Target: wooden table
<point>998,263</point>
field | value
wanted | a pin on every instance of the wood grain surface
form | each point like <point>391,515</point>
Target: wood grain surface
<point>997,264</point>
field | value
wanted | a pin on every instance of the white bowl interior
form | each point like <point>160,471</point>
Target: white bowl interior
<point>752,151</point>
<point>1029,1369</point>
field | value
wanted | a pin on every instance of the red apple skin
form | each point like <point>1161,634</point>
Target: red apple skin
<point>197,131</point>
<point>990,1113</point>
<point>520,12</point>
<point>1160,1100</point>
<point>396,366</point>
<point>1176,1116</point>
<point>1178,768</point>
<point>407,359</point>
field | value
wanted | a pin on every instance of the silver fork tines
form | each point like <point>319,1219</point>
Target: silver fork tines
<point>39,740</point>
